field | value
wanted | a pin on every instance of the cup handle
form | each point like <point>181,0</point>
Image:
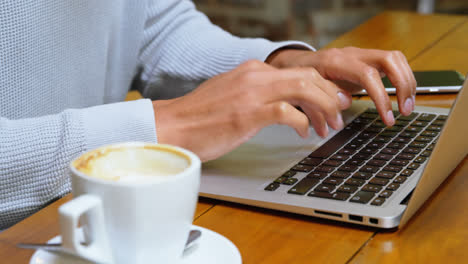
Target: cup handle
<point>98,250</point>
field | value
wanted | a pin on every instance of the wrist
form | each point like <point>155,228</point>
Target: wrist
<point>166,124</point>
<point>286,57</point>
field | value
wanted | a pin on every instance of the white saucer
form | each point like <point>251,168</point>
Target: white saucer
<point>210,249</point>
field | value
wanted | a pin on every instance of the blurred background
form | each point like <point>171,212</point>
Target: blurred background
<point>316,22</point>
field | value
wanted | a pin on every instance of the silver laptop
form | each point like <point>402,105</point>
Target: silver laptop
<point>365,174</point>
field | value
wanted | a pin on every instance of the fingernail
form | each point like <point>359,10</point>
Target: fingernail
<point>390,118</point>
<point>339,118</point>
<point>343,99</point>
<point>409,105</point>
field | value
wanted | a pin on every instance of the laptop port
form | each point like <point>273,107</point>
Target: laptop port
<point>374,221</point>
<point>355,218</point>
<point>328,213</point>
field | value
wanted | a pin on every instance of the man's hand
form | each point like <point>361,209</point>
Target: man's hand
<point>354,69</point>
<point>230,108</point>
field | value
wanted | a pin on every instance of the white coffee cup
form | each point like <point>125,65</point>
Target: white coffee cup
<point>136,203</point>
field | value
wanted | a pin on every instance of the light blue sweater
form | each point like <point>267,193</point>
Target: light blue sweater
<point>65,65</point>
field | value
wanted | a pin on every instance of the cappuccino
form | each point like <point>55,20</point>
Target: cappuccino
<point>132,163</point>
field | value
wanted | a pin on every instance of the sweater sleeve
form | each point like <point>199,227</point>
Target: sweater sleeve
<point>181,48</point>
<point>35,152</point>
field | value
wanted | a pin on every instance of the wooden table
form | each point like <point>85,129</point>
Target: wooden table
<point>437,233</point>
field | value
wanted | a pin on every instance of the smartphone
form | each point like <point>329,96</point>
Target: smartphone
<point>431,82</point>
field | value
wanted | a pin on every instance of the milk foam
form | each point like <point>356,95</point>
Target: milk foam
<point>135,164</point>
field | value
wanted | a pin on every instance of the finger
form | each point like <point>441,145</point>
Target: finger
<point>294,87</point>
<point>284,113</point>
<point>318,121</point>
<point>342,98</point>
<point>393,64</point>
<point>369,78</point>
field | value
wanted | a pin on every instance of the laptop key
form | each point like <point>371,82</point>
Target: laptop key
<point>355,162</point>
<point>310,161</point>
<point>399,162</point>
<point>438,123</point>
<point>434,128</point>
<point>388,134</point>
<point>303,186</point>
<point>401,123</point>
<point>334,143</point>
<point>323,168</point>
<point>317,175</point>
<point>386,174</point>
<point>416,144</point>
<point>418,123</point>
<point>426,117</point>
<point>442,117</point>
<point>336,196</point>
<point>413,129</point>
<point>340,174</point>
<point>406,156</point>
<point>382,139</point>
<point>349,168</point>
<point>393,168</point>
<point>393,129</point>
<point>408,118</point>
<point>362,175</point>
<point>369,115</point>
<point>396,145</point>
<point>414,166</point>
<point>420,159</point>
<point>393,186</point>
<point>325,188</point>
<point>431,147</point>
<point>376,162</point>
<point>373,129</point>
<point>407,172</point>
<point>408,134</point>
<point>333,181</point>
<point>355,182</point>
<point>302,168</point>
<point>385,194</point>
<point>379,181</point>
<point>426,153</point>
<point>378,201</point>
<point>346,151</point>
<point>381,156</point>
<point>375,145</point>
<point>272,186</point>
<point>281,179</point>
<point>423,139</point>
<point>340,157</point>
<point>370,169</point>
<point>371,188</point>
<point>389,151</point>
<point>362,197</point>
<point>402,139</point>
<point>429,133</point>
<point>290,181</point>
<point>362,156</point>
<point>289,173</point>
<point>332,163</point>
<point>412,150</point>
<point>399,179</point>
<point>347,189</point>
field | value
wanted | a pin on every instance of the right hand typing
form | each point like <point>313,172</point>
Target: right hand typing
<point>229,109</point>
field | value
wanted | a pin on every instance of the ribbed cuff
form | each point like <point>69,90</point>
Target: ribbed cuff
<point>260,49</point>
<point>119,122</point>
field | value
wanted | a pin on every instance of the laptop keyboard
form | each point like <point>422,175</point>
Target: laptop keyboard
<point>366,162</point>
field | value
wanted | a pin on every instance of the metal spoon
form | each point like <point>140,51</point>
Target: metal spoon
<point>56,248</point>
